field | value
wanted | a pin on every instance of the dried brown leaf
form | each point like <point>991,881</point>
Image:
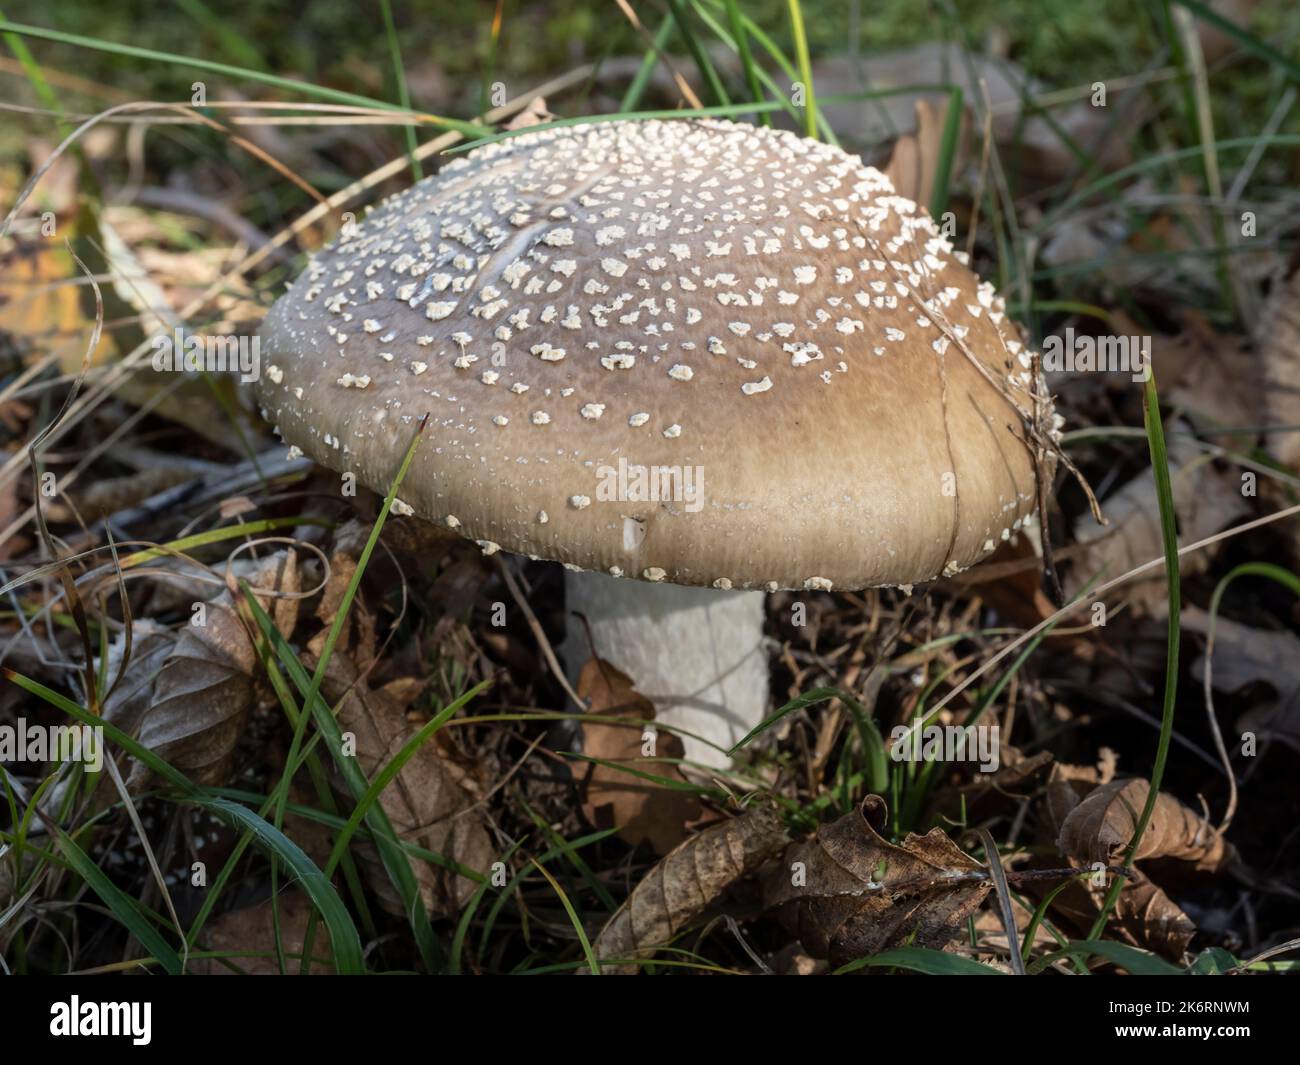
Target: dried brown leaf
<point>1278,336</point>
<point>281,574</point>
<point>914,163</point>
<point>251,929</point>
<point>133,681</point>
<point>201,698</point>
<point>1245,655</point>
<point>1151,919</point>
<point>183,586</point>
<point>848,893</point>
<point>427,802</point>
<point>1101,826</point>
<point>1206,500</point>
<point>535,114</point>
<point>1213,376</point>
<point>357,635</point>
<point>1145,915</point>
<point>684,883</point>
<point>1068,784</point>
<point>643,811</point>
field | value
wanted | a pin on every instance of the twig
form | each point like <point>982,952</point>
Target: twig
<point>543,644</point>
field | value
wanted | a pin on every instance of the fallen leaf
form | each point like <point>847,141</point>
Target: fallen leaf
<point>178,586</point>
<point>201,698</point>
<point>1151,918</point>
<point>1206,500</point>
<point>40,311</point>
<point>180,275</point>
<point>430,802</point>
<point>205,689</point>
<point>1067,785</point>
<point>914,163</point>
<point>683,884</point>
<point>251,928</point>
<point>1145,915</point>
<point>133,681</point>
<point>280,575</point>
<point>1101,826</point>
<point>427,802</point>
<point>1246,655</point>
<point>357,635</point>
<point>1213,376</point>
<point>1278,337</point>
<point>642,810</point>
<point>848,893</point>
<point>534,114</point>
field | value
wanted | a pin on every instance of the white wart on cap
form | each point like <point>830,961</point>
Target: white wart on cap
<point>739,302</point>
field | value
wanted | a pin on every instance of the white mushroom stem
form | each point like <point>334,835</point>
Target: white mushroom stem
<point>696,653</point>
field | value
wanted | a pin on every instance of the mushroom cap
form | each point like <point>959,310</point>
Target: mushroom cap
<point>684,350</point>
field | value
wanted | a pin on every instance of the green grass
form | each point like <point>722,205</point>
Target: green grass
<point>1169,539</point>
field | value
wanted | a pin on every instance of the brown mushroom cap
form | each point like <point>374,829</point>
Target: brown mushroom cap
<point>674,294</point>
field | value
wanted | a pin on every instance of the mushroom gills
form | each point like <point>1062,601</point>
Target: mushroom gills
<point>696,653</point>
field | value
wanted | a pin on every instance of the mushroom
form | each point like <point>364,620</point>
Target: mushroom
<point>692,360</point>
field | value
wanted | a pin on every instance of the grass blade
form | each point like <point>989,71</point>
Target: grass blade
<point>1169,536</point>
<point>922,960</point>
<point>947,152</point>
<point>394,861</point>
<point>637,88</point>
<point>386,775</point>
<point>345,944</point>
<point>698,52</point>
<point>872,742</point>
<point>751,69</point>
<point>303,88</point>
<point>403,90</point>
<point>590,954</point>
<point>805,69</point>
<point>124,908</point>
<point>1137,962</point>
<point>1247,40</point>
